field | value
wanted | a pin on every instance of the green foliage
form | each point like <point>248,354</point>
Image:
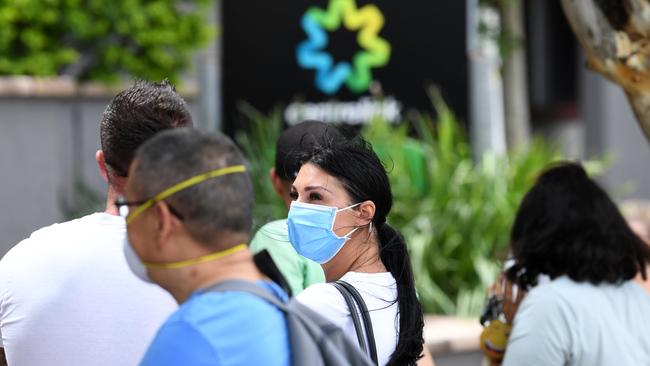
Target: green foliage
<point>457,220</point>
<point>455,213</point>
<point>258,144</point>
<point>101,39</point>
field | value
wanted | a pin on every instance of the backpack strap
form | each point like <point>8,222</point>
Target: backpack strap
<point>267,266</point>
<point>363,309</point>
<point>356,320</point>
<point>249,287</point>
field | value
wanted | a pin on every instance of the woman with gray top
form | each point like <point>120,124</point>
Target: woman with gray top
<point>593,311</point>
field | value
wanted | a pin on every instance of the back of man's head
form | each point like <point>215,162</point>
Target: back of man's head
<point>211,209</point>
<point>134,116</point>
<point>298,140</point>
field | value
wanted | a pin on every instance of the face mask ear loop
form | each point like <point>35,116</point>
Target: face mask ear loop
<point>347,208</point>
<point>357,228</point>
<point>348,235</point>
<point>343,209</point>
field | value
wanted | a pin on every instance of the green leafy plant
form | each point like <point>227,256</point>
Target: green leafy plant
<point>101,39</point>
<point>456,221</point>
<point>258,144</point>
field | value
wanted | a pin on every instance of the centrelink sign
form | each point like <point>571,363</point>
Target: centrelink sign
<point>356,74</point>
<point>342,61</point>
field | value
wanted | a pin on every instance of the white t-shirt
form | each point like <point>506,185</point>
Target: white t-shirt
<point>579,324</point>
<point>68,297</point>
<point>378,290</point>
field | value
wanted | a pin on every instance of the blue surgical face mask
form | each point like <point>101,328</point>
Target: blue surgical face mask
<point>311,231</point>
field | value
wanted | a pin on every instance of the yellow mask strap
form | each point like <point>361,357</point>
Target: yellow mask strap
<point>183,185</point>
<point>202,259</point>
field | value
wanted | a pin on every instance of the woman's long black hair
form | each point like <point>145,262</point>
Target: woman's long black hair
<point>358,168</point>
<point>567,225</point>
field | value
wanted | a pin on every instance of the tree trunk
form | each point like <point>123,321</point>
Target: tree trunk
<point>615,36</point>
<point>515,84</point>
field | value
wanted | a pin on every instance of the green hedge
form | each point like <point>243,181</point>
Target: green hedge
<point>101,39</point>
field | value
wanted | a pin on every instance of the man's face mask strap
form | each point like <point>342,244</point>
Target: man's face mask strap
<point>202,259</point>
<point>184,185</point>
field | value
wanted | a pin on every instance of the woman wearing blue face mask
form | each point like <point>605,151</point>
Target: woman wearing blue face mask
<point>338,218</point>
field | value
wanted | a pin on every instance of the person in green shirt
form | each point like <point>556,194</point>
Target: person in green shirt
<point>295,141</point>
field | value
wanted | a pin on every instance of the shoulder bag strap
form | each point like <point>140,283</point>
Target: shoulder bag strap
<point>353,313</point>
<point>363,309</point>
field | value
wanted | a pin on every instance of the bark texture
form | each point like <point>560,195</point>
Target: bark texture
<point>615,36</point>
<point>515,84</point>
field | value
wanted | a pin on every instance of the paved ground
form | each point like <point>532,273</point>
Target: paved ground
<point>453,341</point>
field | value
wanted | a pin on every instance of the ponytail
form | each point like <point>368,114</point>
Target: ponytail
<point>394,255</point>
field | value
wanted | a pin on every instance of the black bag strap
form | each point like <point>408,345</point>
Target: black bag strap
<point>356,320</point>
<point>366,319</point>
<point>348,291</point>
<point>265,263</point>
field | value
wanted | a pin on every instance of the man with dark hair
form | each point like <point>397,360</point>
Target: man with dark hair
<point>293,143</point>
<point>134,116</point>
<point>188,211</point>
<point>67,296</point>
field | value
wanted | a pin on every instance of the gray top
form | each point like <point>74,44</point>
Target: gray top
<point>570,323</point>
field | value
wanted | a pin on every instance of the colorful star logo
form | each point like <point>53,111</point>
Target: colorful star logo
<point>367,21</point>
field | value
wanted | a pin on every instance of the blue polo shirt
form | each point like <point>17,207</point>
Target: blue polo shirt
<point>223,328</point>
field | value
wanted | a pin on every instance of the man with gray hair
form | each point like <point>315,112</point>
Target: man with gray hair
<point>67,296</point>
<point>188,210</point>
